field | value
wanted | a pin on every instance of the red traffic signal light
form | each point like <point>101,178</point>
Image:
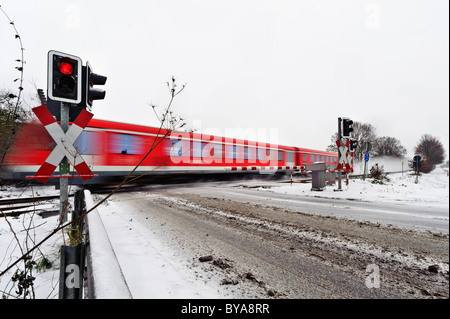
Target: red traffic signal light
<point>65,68</point>
<point>64,77</point>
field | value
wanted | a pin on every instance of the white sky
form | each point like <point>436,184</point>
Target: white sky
<point>288,66</point>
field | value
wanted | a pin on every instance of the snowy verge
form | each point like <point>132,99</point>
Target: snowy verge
<point>20,233</point>
<point>109,282</point>
<point>152,267</point>
<point>431,189</point>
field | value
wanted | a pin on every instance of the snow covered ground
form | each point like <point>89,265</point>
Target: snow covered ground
<point>15,239</point>
<point>168,277</point>
<point>431,189</point>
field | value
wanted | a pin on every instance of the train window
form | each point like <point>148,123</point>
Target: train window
<point>250,154</point>
<point>305,157</point>
<point>240,153</point>
<point>230,151</point>
<point>88,143</point>
<point>175,149</point>
<point>263,154</point>
<point>196,149</point>
<point>235,152</point>
<point>126,144</point>
<point>210,150</point>
<point>179,148</point>
<point>218,151</point>
<point>280,156</point>
<point>207,150</point>
<point>290,157</point>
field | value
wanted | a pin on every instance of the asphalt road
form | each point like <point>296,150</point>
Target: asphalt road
<point>267,245</point>
<point>422,218</point>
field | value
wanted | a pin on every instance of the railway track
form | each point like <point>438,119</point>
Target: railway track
<point>14,207</point>
<point>23,200</point>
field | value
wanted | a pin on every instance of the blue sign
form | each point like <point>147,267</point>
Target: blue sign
<point>367,157</point>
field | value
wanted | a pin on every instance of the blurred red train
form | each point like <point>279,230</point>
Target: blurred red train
<point>113,149</point>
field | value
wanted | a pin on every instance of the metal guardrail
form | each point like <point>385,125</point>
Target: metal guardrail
<point>91,265</point>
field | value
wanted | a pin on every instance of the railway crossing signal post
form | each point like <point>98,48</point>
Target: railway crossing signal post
<point>344,159</point>
<point>71,84</point>
<point>366,158</point>
<point>417,163</point>
<point>67,85</point>
<point>339,154</point>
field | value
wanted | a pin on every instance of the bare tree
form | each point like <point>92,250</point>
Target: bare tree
<point>10,103</point>
<point>12,115</point>
<point>363,133</point>
<point>432,151</point>
<point>388,146</point>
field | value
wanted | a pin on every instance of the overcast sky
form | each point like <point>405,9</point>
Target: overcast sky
<point>290,67</point>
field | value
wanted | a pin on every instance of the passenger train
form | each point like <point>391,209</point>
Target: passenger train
<point>113,149</point>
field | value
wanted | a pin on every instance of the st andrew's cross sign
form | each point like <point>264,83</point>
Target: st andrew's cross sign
<point>64,145</point>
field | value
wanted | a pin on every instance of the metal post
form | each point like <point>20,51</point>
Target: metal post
<point>368,148</point>
<point>365,170</point>
<point>64,168</point>
<point>77,212</point>
<point>71,272</point>
<point>339,154</point>
<point>417,172</point>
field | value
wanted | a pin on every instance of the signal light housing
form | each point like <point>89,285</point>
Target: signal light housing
<point>353,145</point>
<point>89,80</point>
<point>417,161</point>
<point>64,77</point>
<point>347,127</point>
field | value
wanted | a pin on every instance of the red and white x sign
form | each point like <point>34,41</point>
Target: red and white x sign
<point>64,144</point>
<point>343,159</point>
